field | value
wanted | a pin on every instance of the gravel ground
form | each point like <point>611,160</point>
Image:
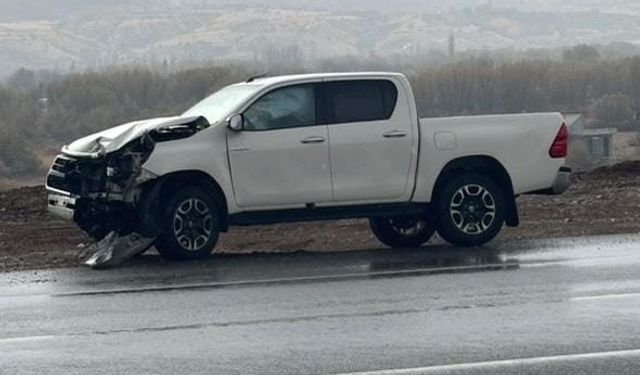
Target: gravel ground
<point>604,201</point>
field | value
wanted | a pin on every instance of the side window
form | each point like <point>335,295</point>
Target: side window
<point>287,107</point>
<point>358,101</point>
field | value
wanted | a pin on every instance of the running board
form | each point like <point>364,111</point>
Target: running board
<point>313,213</point>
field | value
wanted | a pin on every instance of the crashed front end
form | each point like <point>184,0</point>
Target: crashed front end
<point>99,190</point>
<point>99,182</point>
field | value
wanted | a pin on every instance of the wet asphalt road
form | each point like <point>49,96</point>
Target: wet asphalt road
<point>551,307</point>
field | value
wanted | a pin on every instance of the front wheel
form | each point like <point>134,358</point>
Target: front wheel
<point>402,231</point>
<point>471,210</point>
<point>190,225</point>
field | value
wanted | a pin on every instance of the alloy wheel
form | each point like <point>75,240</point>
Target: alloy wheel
<point>473,209</point>
<point>193,224</point>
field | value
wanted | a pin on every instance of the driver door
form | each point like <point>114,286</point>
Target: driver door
<point>281,157</point>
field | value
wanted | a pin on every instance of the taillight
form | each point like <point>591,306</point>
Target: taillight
<point>560,145</point>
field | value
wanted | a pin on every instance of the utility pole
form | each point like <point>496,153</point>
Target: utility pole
<point>452,45</point>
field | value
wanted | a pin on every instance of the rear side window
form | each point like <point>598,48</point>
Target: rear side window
<point>359,101</point>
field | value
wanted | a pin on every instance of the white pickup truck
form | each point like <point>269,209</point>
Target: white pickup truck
<point>303,148</point>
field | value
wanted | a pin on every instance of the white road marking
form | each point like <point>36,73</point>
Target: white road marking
<point>606,296</point>
<point>13,340</point>
<point>503,363</point>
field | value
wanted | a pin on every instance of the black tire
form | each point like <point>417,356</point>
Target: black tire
<point>189,225</point>
<point>402,231</point>
<point>466,219</point>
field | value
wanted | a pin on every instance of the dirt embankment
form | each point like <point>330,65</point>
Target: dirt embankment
<point>604,201</point>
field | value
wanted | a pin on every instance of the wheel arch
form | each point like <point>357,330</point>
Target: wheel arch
<point>157,191</point>
<point>486,165</point>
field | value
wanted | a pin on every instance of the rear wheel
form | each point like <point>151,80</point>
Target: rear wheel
<point>402,231</point>
<point>190,225</point>
<point>471,210</point>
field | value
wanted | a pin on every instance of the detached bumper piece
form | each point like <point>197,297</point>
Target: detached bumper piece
<point>113,250</point>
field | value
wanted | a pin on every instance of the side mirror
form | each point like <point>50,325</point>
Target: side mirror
<point>235,122</point>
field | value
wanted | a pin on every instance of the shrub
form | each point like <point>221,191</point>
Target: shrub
<point>16,160</point>
<point>615,110</point>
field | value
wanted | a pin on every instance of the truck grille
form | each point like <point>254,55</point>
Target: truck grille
<point>62,164</point>
<point>57,177</point>
<point>77,176</point>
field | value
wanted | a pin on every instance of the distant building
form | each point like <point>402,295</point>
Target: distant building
<point>596,145</point>
<point>43,104</point>
<point>600,144</point>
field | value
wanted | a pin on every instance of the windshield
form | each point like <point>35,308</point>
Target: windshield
<point>218,105</point>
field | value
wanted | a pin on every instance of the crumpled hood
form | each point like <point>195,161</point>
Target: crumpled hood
<point>106,141</point>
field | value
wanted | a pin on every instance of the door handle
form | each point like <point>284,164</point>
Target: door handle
<point>240,149</point>
<point>395,134</point>
<point>313,140</point>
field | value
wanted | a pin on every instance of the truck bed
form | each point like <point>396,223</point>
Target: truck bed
<point>520,142</point>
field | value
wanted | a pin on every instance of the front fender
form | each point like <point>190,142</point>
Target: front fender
<point>204,152</point>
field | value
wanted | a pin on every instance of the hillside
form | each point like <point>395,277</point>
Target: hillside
<point>74,34</point>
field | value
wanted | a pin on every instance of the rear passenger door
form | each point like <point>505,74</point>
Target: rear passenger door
<point>371,140</point>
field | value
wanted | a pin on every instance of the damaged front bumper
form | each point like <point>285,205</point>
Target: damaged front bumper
<point>101,195</point>
<point>61,205</point>
<point>113,220</point>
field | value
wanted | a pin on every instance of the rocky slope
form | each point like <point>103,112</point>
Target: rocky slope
<point>71,34</point>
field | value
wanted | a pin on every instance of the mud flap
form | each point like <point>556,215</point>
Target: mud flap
<point>113,250</point>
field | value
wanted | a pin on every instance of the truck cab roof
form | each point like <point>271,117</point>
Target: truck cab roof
<point>276,80</point>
